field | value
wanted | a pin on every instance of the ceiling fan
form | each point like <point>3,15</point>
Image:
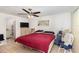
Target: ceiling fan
<point>30,13</point>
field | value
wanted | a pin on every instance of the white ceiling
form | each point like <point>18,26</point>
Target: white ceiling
<point>45,10</point>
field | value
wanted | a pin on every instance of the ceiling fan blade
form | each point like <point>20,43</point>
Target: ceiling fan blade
<point>35,12</point>
<point>22,14</point>
<point>36,15</point>
<point>26,11</point>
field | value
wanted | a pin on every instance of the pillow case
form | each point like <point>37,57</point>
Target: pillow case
<point>39,31</point>
<point>49,32</point>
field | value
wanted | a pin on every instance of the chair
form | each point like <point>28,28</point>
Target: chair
<point>61,46</point>
<point>58,38</point>
<point>67,43</point>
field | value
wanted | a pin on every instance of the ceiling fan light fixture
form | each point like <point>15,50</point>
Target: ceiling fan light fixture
<point>29,16</point>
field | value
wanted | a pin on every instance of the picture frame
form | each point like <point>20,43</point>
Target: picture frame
<point>43,23</point>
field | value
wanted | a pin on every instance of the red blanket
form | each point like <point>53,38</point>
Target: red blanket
<point>40,41</point>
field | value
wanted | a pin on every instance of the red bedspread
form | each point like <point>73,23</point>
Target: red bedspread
<point>40,41</point>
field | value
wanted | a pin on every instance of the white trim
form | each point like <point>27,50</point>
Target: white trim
<point>51,45</point>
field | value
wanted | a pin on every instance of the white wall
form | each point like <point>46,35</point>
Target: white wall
<point>6,21</point>
<point>62,21</point>
<point>56,22</point>
<point>2,25</point>
<point>75,30</point>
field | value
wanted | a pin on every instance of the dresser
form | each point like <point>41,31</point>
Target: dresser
<point>25,31</point>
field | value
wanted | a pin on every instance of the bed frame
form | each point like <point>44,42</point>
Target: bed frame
<point>50,46</point>
<point>49,50</point>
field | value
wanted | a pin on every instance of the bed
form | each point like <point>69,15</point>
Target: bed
<point>39,41</point>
